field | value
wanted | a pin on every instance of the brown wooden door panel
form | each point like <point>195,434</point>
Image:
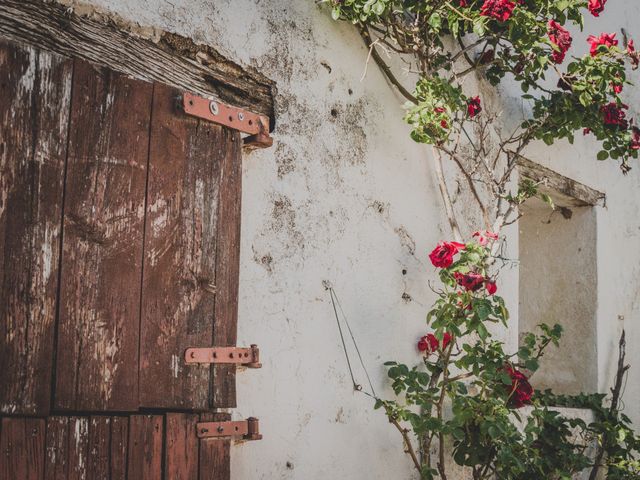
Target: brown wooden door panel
<point>187,166</point>
<point>98,328</point>
<point>223,385</point>
<point>34,107</point>
<point>143,202</point>
<point>140,447</point>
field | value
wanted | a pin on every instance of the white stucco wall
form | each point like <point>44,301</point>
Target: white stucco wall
<point>345,196</point>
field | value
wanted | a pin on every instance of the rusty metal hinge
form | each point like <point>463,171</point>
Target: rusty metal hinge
<point>257,126</point>
<point>248,357</point>
<point>248,429</point>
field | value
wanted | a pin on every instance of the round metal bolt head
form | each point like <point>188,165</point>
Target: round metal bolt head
<point>213,107</point>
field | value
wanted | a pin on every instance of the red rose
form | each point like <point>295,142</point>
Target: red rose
<point>607,39</point>
<point>596,7</point>
<point>501,10</point>
<point>439,110</point>
<point>473,107</point>
<point>463,3</point>
<point>635,56</point>
<point>617,85</point>
<point>442,255</point>
<point>491,287</point>
<point>561,38</point>
<point>444,124</point>
<point>429,343</point>
<point>469,281</point>
<point>484,236</point>
<point>586,131</point>
<point>614,115</point>
<point>635,138</point>
<point>521,391</point>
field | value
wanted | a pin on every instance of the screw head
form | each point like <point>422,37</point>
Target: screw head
<point>213,107</point>
<point>240,116</point>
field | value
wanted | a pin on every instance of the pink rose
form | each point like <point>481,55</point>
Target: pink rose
<point>483,236</point>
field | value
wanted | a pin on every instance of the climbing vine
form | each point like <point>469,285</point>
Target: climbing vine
<point>452,48</point>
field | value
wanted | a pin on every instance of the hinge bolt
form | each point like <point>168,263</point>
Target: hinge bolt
<point>240,116</point>
<point>213,107</point>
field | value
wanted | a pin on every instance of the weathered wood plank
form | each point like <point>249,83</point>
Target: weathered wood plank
<point>78,448</point>
<point>145,447</point>
<point>22,448</point>
<point>181,455</point>
<point>97,356</point>
<point>99,445</point>
<point>215,454</point>
<point>565,191</point>
<point>57,449</point>
<point>227,267</point>
<point>119,444</point>
<point>34,107</point>
<point>180,252</point>
<point>175,61</point>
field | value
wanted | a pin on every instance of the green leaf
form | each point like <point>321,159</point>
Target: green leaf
<point>603,155</point>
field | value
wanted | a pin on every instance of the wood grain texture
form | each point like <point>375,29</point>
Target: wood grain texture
<point>98,330</point>
<point>22,442</point>
<point>145,447</point>
<point>57,449</point>
<point>98,465</point>
<point>78,448</point>
<point>175,61</point>
<point>181,454</point>
<point>565,191</point>
<point>180,253</point>
<point>119,447</point>
<point>215,454</point>
<point>227,267</point>
<point>34,108</point>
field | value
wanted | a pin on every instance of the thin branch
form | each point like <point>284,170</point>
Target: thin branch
<point>407,441</point>
<point>615,399</point>
<point>446,198</point>
<point>383,66</point>
<point>472,187</point>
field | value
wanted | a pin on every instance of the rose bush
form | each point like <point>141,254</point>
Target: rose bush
<point>466,370</point>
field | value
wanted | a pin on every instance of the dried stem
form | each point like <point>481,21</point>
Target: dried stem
<point>615,400</point>
<point>366,36</point>
<point>407,441</point>
<point>446,198</point>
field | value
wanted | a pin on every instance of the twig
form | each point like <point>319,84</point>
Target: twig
<point>472,187</point>
<point>613,408</point>
<point>446,198</point>
<point>383,66</point>
<point>407,441</point>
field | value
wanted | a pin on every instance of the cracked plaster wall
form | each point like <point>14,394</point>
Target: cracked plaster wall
<point>345,196</point>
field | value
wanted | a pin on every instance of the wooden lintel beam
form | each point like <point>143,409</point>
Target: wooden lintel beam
<point>568,191</point>
<point>174,61</point>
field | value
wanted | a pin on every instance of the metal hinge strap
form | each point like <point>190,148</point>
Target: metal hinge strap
<point>248,357</point>
<point>257,126</point>
<point>248,429</point>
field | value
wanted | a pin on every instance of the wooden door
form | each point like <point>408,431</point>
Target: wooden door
<point>119,249</point>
